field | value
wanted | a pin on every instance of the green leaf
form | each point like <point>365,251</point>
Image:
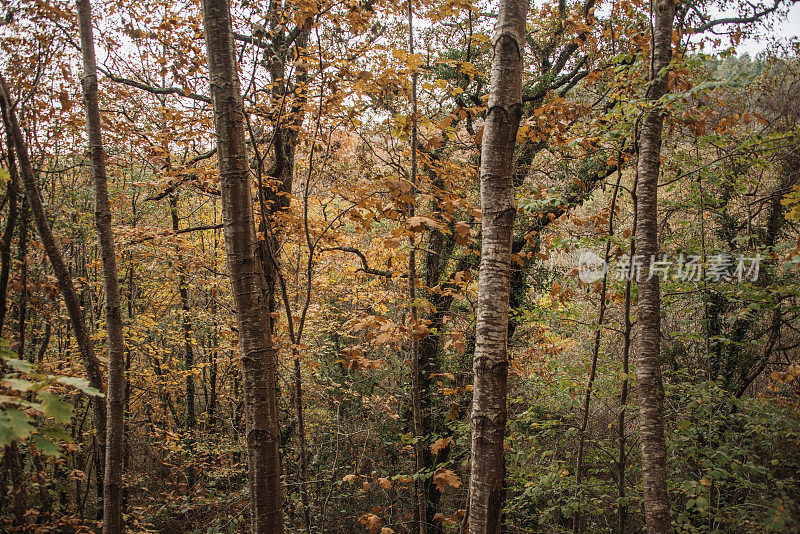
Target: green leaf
<point>46,446</point>
<point>17,401</point>
<point>14,424</point>
<point>19,384</point>
<point>56,433</point>
<point>56,408</point>
<point>19,365</point>
<point>81,384</point>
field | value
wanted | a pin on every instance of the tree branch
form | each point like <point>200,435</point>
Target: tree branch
<point>364,264</point>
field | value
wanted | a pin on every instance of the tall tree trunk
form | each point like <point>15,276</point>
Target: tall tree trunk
<point>211,407</point>
<point>112,483</point>
<point>578,521</point>
<point>19,488</point>
<point>258,355</point>
<point>498,210</point>
<point>186,327</point>
<point>648,358</point>
<point>34,199</point>
<point>22,254</point>
<point>416,372</point>
<point>8,231</point>
<point>622,451</point>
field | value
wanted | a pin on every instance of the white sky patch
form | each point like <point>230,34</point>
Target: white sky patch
<point>786,27</point>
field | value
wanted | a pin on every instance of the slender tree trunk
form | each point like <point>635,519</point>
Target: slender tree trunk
<point>186,327</point>
<point>8,231</point>
<point>301,438</point>
<point>498,210</point>
<point>416,372</point>
<point>34,199</point>
<point>258,355</point>
<point>112,492</point>
<point>19,488</point>
<point>578,520</point>
<point>48,331</point>
<point>622,452</point>
<point>211,409</point>
<point>648,356</point>
<point>45,502</point>
<point>22,254</point>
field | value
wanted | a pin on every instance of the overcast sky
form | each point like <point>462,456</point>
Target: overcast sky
<point>788,26</point>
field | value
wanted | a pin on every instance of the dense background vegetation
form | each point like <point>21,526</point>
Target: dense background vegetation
<point>327,94</point>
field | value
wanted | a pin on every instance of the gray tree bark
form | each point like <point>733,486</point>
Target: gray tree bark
<point>115,401</point>
<point>498,210</point>
<point>247,278</point>
<point>648,357</point>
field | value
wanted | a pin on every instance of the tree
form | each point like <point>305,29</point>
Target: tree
<point>648,356</point>
<point>498,210</point>
<point>247,277</point>
<point>112,486</point>
<point>65,284</point>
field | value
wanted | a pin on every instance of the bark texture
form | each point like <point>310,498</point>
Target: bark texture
<point>648,358</point>
<point>115,400</point>
<point>498,209</point>
<point>247,277</point>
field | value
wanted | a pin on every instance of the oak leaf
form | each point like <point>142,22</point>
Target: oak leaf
<point>371,522</point>
<point>445,477</point>
<point>439,444</point>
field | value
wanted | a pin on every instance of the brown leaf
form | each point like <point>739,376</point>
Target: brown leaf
<point>454,412</point>
<point>462,231</point>
<point>418,223</point>
<point>439,444</point>
<point>371,522</point>
<point>445,477</point>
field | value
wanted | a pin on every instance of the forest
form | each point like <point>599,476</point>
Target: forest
<point>399,267</point>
